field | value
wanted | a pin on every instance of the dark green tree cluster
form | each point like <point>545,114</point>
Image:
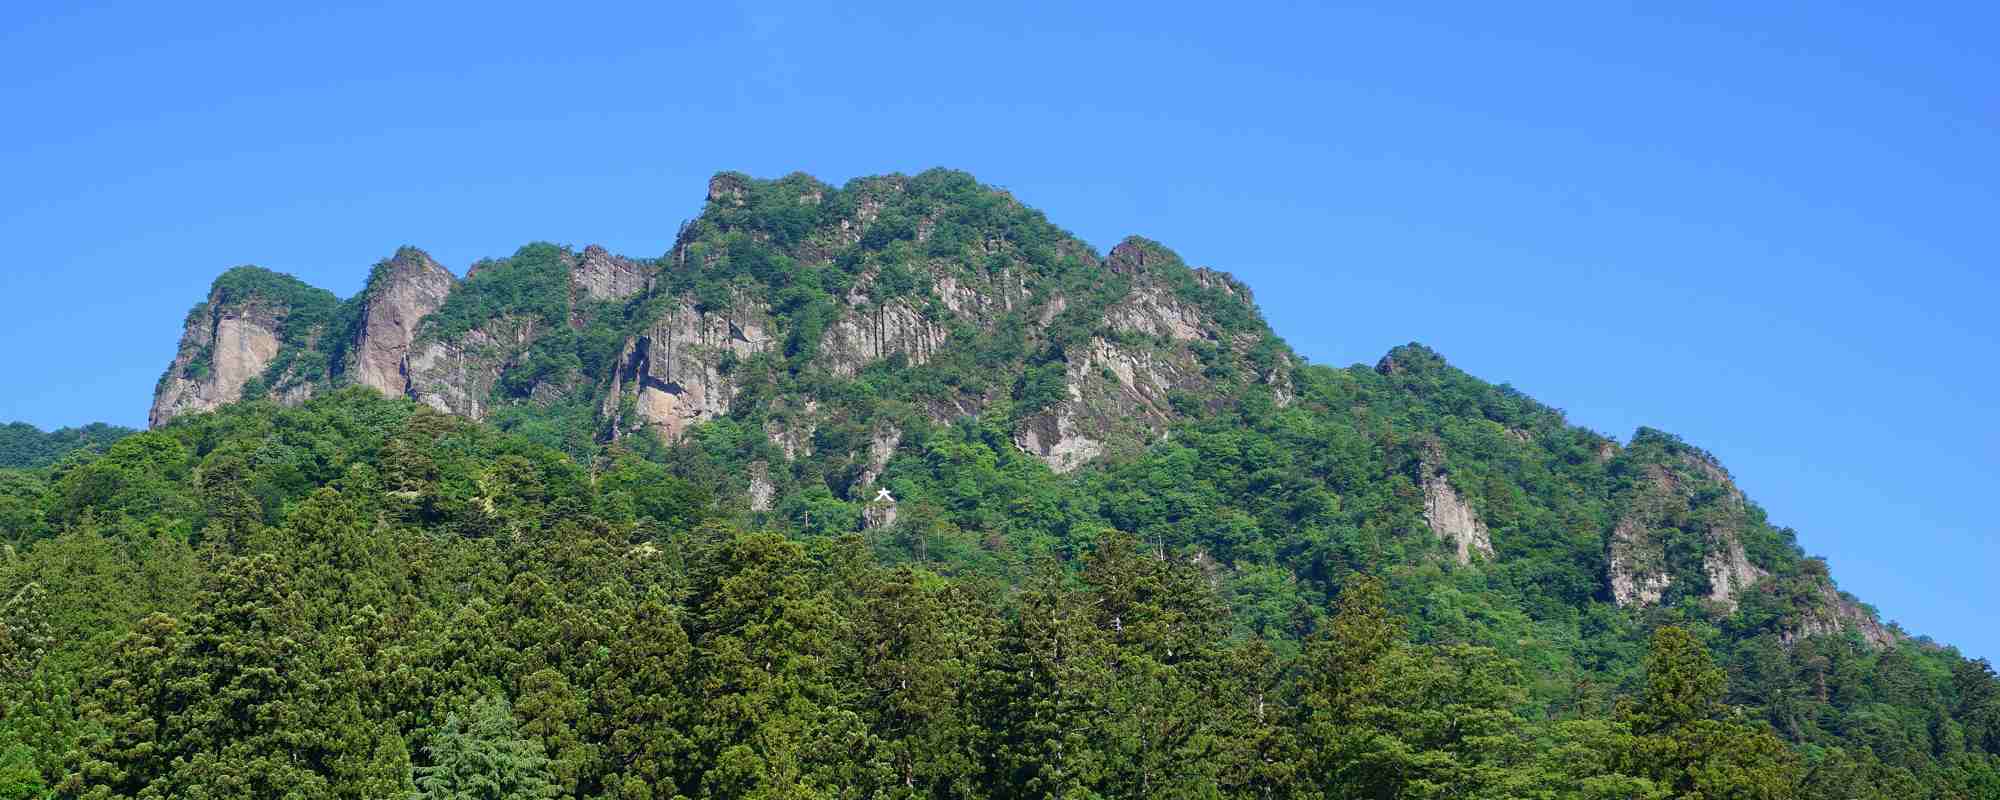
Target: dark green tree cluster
<point>24,446</point>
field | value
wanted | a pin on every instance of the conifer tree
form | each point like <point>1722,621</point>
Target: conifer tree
<point>481,755</point>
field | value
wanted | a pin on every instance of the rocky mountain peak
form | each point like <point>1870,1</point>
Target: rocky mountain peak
<point>824,331</point>
<point>401,292</point>
<point>599,275</point>
<point>232,340</point>
<point>1135,254</point>
<point>1683,524</point>
<point>729,188</point>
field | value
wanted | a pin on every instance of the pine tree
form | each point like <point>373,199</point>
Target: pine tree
<point>131,703</point>
<point>922,646</point>
<point>1346,667</point>
<point>644,709</point>
<point>483,756</point>
<point>1684,739</point>
<point>776,723</point>
<point>1044,698</point>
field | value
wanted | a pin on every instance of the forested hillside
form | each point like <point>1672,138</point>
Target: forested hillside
<point>895,489</point>
<point>26,446</point>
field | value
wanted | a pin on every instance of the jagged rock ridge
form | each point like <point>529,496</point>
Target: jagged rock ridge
<point>782,296</point>
<point>1687,490</point>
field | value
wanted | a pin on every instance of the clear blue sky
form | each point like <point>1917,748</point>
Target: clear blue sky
<point>1768,230</point>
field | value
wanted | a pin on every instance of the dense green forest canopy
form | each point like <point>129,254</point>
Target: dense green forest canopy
<point>364,598</point>
<point>24,446</point>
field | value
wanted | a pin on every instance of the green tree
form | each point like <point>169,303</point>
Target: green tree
<point>646,713</point>
<point>775,720</point>
<point>483,756</point>
<point>1684,739</point>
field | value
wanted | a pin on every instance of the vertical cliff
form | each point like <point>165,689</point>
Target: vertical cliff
<point>1448,514</point>
<point>677,372</point>
<point>246,340</point>
<point>401,292</point>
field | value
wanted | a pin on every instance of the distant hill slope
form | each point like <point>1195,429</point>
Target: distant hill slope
<point>24,446</point>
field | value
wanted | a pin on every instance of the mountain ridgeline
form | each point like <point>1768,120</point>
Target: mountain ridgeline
<point>953,297</point>
<point>818,328</point>
<point>897,489</point>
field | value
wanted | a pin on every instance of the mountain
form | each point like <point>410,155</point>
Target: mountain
<point>933,282</point>
<point>897,488</point>
<point>836,320</point>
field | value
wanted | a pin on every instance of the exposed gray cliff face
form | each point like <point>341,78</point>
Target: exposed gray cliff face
<point>1638,557</point>
<point>870,332</point>
<point>1729,572</point>
<point>1836,612</point>
<point>599,275</point>
<point>1119,388</point>
<point>457,376</point>
<point>881,448</point>
<point>1670,496</point>
<point>1450,517</point>
<point>761,490</point>
<point>1062,438</point>
<point>224,346</point>
<point>672,376</point>
<point>403,290</point>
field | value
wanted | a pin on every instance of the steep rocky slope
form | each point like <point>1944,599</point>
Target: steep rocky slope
<point>232,344</point>
<point>401,292</point>
<point>809,339</point>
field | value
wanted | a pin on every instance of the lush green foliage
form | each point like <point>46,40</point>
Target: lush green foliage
<point>533,283</point>
<point>24,446</point>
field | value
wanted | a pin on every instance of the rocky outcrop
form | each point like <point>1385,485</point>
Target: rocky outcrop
<point>1155,311</point>
<point>1690,492</point>
<point>1120,389</point>
<point>237,338</point>
<point>880,512</point>
<point>869,332</point>
<point>729,189</point>
<point>1637,565</point>
<point>401,292</point>
<point>1061,438</point>
<point>1152,308</point>
<point>673,376</point>
<point>224,346</point>
<point>1450,517</point>
<point>1112,392</point>
<point>601,276</point>
<point>1729,571</point>
<point>761,489</point>
<point>881,448</point>
<point>1835,612</point>
<point>457,376</point>
<point>793,435</point>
